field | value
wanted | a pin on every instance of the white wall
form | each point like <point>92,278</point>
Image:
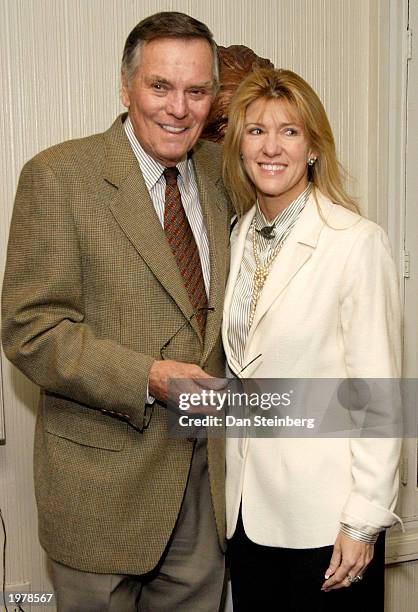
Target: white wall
<point>59,63</point>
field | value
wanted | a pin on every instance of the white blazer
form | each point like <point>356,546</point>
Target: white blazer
<point>329,309</point>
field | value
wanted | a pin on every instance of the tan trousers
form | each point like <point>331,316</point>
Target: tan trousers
<point>189,577</point>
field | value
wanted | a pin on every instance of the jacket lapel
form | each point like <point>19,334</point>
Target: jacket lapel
<point>216,217</point>
<point>133,210</point>
<point>296,251</point>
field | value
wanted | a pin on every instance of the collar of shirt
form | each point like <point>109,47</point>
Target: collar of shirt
<point>283,222</point>
<point>151,169</point>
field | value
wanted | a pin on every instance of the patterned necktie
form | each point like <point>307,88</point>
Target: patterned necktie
<point>181,240</point>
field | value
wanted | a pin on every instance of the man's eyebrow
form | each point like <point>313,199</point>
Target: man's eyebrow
<point>154,77</point>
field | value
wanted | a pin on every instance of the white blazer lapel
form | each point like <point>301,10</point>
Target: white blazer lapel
<point>296,251</point>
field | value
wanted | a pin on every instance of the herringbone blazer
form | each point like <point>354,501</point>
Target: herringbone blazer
<point>91,293</point>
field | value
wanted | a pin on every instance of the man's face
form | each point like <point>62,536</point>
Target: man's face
<point>170,96</point>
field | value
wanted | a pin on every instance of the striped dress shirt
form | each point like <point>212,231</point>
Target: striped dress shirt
<point>152,172</point>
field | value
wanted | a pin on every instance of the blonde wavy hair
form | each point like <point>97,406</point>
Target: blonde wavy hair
<point>307,109</point>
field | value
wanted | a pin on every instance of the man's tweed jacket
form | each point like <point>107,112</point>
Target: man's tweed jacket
<point>91,294</point>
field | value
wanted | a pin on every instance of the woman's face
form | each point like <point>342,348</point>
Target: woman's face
<point>275,151</point>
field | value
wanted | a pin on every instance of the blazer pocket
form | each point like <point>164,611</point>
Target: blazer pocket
<point>83,425</point>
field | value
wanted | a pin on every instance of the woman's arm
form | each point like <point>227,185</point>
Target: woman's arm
<point>371,327</point>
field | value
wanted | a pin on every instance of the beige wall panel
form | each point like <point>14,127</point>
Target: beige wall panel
<point>401,591</point>
<point>63,62</point>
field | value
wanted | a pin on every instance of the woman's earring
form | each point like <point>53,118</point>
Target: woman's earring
<point>311,161</point>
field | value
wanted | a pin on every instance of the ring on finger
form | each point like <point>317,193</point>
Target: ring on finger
<point>352,579</point>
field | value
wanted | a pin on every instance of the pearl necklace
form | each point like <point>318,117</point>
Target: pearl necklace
<point>261,272</point>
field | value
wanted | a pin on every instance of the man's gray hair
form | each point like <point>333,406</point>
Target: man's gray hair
<point>168,24</point>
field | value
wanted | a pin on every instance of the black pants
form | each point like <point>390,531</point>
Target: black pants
<point>266,579</point>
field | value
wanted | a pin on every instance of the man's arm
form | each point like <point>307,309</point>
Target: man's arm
<point>44,331</point>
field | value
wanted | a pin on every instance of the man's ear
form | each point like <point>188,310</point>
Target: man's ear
<point>124,93</point>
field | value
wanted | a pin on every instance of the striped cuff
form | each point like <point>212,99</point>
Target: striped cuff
<point>356,534</point>
<point>150,399</point>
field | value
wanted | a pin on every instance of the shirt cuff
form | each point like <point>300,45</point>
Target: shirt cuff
<point>149,398</point>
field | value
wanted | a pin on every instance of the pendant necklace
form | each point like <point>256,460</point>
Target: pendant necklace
<point>261,270</point>
<point>267,231</point>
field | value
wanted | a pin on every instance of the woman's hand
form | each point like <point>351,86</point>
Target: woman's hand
<point>349,558</point>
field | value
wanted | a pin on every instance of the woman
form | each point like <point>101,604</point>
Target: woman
<point>312,293</point>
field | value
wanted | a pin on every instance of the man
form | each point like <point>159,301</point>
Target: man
<point>114,285</point>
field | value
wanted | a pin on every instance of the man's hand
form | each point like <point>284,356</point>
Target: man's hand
<point>163,371</point>
<point>349,558</point>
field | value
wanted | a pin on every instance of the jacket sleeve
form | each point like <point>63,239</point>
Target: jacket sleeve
<point>371,327</point>
<point>44,333</point>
